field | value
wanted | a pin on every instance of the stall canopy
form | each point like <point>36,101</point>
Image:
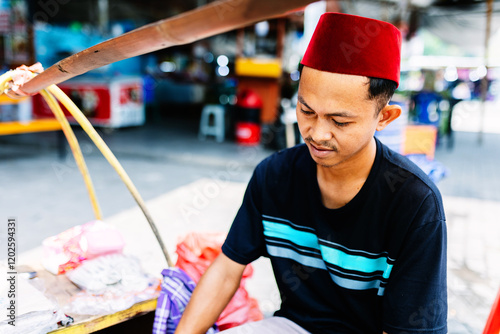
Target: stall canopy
<point>459,22</point>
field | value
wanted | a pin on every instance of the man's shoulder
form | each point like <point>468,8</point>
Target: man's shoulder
<point>405,172</point>
<point>405,179</point>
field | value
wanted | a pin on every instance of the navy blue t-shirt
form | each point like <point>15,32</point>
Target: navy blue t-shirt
<point>376,264</point>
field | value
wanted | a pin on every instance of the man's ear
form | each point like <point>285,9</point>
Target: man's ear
<point>388,114</point>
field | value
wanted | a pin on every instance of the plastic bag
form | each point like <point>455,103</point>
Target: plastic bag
<point>110,283</point>
<point>196,252</point>
<point>70,248</point>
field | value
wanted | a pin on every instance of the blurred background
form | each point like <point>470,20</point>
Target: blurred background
<point>189,112</point>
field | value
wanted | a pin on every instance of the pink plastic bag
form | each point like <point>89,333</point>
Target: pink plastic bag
<point>196,252</point>
<point>70,248</point>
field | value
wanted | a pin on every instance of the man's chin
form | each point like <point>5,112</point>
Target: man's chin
<point>327,163</point>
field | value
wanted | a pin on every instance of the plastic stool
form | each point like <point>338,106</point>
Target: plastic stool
<point>217,128</point>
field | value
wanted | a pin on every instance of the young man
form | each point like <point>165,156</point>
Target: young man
<point>356,233</point>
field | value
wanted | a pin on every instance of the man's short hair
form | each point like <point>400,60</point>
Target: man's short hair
<point>381,90</point>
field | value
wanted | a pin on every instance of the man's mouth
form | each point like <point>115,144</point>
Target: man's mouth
<point>319,148</point>
<point>321,151</point>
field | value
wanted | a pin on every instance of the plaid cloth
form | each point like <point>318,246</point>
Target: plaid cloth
<point>176,290</point>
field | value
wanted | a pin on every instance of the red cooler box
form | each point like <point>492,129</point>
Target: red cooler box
<point>113,103</point>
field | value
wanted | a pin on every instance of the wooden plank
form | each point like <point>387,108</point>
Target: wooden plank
<point>209,20</point>
<point>62,291</point>
<point>41,125</point>
<point>96,323</point>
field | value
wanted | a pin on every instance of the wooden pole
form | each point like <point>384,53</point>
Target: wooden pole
<point>212,19</point>
<point>280,37</point>
<point>484,81</point>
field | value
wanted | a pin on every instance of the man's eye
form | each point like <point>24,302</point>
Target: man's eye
<point>307,112</point>
<point>340,124</point>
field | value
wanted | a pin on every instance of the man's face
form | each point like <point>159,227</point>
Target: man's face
<point>335,116</point>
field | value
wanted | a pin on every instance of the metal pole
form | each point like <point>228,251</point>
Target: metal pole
<point>103,16</point>
<point>484,81</point>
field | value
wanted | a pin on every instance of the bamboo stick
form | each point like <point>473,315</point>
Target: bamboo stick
<point>75,149</point>
<point>209,20</point>
<point>106,152</point>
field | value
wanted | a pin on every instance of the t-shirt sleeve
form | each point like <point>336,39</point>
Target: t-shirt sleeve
<point>245,240</point>
<point>415,299</point>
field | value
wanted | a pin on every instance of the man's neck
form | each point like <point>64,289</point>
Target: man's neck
<point>355,167</point>
<point>340,183</point>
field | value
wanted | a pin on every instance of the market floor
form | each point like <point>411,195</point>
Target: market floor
<point>47,195</point>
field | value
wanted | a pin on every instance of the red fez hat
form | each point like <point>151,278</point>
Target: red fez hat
<point>355,45</point>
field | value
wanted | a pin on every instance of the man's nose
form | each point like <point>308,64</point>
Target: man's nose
<point>322,131</point>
